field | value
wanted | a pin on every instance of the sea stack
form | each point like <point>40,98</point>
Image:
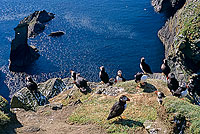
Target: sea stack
<point>21,53</point>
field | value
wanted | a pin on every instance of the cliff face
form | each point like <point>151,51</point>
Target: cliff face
<point>167,5</point>
<point>181,38</point>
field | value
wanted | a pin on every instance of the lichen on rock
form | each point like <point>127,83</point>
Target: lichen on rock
<point>28,101</point>
<point>4,111</point>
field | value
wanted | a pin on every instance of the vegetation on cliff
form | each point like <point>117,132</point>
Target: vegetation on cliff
<point>181,38</point>
<point>4,110</point>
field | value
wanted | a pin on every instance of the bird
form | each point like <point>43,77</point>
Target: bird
<point>160,96</point>
<point>111,82</point>
<point>145,67</point>
<point>140,78</point>
<point>119,77</point>
<point>103,75</point>
<point>181,92</point>
<point>31,85</point>
<point>79,81</point>
<point>118,108</point>
<point>172,83</point>
<point>165,68</point>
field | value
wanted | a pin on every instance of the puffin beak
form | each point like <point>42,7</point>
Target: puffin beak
<point>128,99</point>
<point>156,92</point>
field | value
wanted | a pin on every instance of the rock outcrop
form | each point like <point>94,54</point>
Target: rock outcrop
<point>21,53</point>
<point>36,22</point>
<point>28,101</point>
<point>181,38</point>
<point>57,33</point>
<point>167,5</point>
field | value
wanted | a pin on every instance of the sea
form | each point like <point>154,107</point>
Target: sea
<point>112,33</point>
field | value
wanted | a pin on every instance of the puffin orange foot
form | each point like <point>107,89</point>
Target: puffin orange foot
<point>123,117</point>
<point>137,87</point>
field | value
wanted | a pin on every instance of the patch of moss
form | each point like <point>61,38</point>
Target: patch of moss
<point>3,118</point>
<point>190,111</point>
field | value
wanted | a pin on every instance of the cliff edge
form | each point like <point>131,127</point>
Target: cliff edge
<point>181,39</point>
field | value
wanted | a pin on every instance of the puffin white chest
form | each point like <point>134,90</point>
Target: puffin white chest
<point>125,106</point>
<point>119,79</point>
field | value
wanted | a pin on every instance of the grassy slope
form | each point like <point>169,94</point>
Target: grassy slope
<point>190,111</point>
<point>143,106</point>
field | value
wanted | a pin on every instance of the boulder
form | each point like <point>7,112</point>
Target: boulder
<point>58,33</point>
<point>21,54</point>
<point>28,101</point>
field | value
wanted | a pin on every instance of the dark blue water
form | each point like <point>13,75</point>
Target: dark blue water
<point>113,33</point>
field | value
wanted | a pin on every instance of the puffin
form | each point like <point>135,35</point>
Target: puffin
<point>119,77</point>
<point>145,67</point>
<point>79,81</point>
<point>31,85</point>
<point>160,96</point>
<point>165,68</point>
<point>118,108</point>
<point>172,83</point>
<point>103,75</point>
<point>181,92</point>
<point>140,78</point>
<point>111,82</point>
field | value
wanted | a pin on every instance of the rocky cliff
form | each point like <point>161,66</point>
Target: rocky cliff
<point>87,113</point>
<point>167,5</point>
<point>181,38</point>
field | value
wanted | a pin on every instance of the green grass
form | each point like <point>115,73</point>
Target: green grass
<point>97,108</point>
<point>129,86</point>
<point>142,107</point>
<point>190,111</point>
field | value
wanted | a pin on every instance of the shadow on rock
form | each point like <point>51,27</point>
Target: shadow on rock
<point>41,99</point>
<point>127,122</point>
<point>148,88</point>
<point>10,127</point>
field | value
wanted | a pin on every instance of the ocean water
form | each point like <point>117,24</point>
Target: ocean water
<point>113,33</point>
